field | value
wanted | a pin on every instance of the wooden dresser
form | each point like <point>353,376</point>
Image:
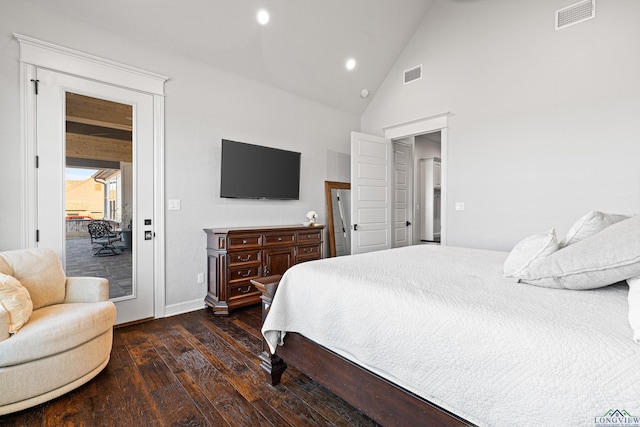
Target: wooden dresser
<point>237,255</point>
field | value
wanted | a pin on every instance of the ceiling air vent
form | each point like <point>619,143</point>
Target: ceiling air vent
<point>413,74</point>
<point>576,13</point>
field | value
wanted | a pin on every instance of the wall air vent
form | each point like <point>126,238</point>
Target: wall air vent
<point>576,13</point>
<point>413,74</point>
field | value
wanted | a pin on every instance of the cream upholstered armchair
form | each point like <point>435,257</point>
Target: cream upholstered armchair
<point>55,332</point>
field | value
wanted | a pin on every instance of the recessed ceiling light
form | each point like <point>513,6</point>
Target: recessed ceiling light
<point>351,64</point>
<point>262,17</point>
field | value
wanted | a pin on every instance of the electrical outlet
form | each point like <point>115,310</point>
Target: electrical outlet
<point>459,206</point>
<point>200,277</point>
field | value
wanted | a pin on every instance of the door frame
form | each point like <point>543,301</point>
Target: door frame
<point>36,53</point>
<point>421,126</point>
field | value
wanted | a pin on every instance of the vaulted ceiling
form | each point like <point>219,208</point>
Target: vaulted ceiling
<point>302,50</point>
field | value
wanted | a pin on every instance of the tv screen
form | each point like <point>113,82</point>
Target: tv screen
<point>255,172</point>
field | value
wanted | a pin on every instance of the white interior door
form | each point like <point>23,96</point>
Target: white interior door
<point>50,149</point>
<point>402,194</point>
<point>371,185</point>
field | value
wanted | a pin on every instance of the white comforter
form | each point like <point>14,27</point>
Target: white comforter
<point>443,323</point>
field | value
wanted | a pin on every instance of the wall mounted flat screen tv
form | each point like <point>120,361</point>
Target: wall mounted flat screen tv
<point>255,172</point>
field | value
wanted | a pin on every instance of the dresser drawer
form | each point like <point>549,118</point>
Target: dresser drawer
<point>279,239</point>
<point>309,236</point>
<point>307,253</point>
<point>240,258</point>
<point>241,289</point>
<point>243,274</point>
<point>245,242</point>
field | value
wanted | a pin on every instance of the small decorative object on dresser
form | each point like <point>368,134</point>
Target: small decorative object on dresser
<point>312,216</point>
<point>237,255</point>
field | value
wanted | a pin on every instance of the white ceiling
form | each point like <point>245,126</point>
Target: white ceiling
<point>302,50</point>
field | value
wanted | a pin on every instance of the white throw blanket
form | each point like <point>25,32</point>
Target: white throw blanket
<point>443,323</point>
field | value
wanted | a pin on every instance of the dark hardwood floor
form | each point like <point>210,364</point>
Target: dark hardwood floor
<point>192,370</point>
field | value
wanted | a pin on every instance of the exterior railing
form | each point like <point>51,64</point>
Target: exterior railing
<point>77,227</point>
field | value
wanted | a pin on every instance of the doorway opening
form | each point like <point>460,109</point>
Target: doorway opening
<point>98,201</point>
<point>428,185</point>
<point>384,183</point>
<point>417,196</point>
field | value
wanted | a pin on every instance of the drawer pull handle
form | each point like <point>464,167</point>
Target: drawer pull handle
<point>279,239</point>
<point>247,274</point>
<point>308,250</point>
<point>244,259</point>
<point>244,242</point>
<point>308,236</point>
<point>244,291</point>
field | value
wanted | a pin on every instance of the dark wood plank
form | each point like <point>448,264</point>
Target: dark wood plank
<point>176,407</point>
<point>199,363</point>
<point>238,334</point>
<point>75,409</point>
<point>33,417</point>
<point>242,368</point>
<point>191,369</point>
<point>248,323</point>
<point>116,400</point>
<point>206,407</point>
<point>154,371</point>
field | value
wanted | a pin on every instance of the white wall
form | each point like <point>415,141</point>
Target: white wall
<point>203,105</point>
<point>543,125</point>
<point>427,146</point>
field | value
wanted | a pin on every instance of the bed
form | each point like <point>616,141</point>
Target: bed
<point>444,328</point>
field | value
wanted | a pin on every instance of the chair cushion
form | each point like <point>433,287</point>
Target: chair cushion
<point>40,271</point>
<point>14,298</point>
<point>57,328</point>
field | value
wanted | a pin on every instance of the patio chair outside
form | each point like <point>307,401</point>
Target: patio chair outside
<point>103,238</point>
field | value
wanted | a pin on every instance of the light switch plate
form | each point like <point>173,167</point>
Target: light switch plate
<point>174,204</point>
<point>459,206</point>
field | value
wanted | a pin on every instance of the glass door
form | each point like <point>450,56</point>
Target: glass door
<point>95,150</point>
<point>98,190</point>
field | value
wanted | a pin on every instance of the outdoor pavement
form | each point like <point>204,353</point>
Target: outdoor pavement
<point>117,268</point>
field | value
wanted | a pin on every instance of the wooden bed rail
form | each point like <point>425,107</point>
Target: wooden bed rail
<point>381,400</point>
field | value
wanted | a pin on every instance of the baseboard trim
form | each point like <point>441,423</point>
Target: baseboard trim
<point>184,307</point>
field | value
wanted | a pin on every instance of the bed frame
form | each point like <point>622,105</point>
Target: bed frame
<point>378,398</point>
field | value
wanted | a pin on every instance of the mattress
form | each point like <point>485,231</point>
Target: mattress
<point>445,324</point>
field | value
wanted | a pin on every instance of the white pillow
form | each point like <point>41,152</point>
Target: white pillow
<point>40,271</point>
<point>634,306</point>
<point>528,250</point>
<point>610,256</point>
<point>590,224</point>
<point>15,299</point>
